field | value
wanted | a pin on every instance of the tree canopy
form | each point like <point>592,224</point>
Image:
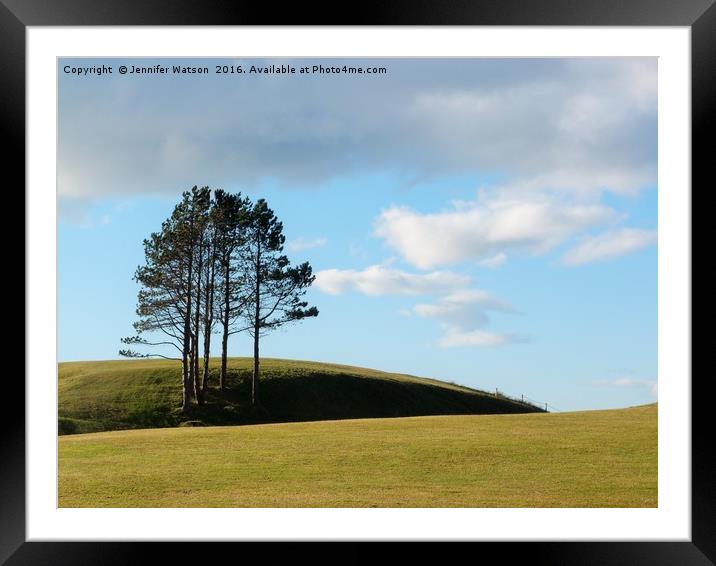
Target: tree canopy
<point>217,261</point>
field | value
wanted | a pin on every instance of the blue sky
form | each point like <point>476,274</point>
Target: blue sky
<point>488,222</point>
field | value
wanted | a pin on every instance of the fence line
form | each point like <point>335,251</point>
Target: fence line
<point>527,401</point>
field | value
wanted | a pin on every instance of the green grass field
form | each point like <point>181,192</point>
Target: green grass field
<point>130,394</point>
<point>584,459</point>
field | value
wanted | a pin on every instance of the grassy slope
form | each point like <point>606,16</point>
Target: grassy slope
<point>587,459</point>
<point>112,395</point>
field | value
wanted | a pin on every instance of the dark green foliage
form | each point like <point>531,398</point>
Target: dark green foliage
<point>66,426</point>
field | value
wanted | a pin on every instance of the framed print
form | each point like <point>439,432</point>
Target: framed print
<point>420,276</point>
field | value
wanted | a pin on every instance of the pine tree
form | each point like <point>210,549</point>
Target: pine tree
<point>229,216</point>
<point>219,258</point>
<point>272,287</point>
<point>168,299</point>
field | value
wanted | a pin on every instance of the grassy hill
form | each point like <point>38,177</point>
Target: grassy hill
<point>126,394</point>
<point>585,459</point>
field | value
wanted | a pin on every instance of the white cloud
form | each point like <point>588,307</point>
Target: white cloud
<point>463,318</point>
<point>569,127</point>
<point>568,182</point>
<point>75,211</point>
<point>86,214</point>
<point>577,125</point>
<point>455,338</point>
<point>461,311</point>
<point>494,261</point>
<point>608,245</point>
<point>462,307</point>
<point>300,244</point>
<point>486,227</point>
<point>651,385</point>
<point>380,280</point>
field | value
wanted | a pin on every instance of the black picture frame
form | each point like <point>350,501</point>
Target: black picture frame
<point>16,15</point>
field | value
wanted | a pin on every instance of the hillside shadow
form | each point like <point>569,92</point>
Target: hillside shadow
<point>313,396</point>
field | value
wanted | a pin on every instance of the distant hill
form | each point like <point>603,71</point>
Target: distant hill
<point>128,394</point>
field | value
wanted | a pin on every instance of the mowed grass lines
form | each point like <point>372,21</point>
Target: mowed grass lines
<point>116,395</point>
<point>587,459</point>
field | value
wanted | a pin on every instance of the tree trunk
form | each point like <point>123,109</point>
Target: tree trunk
<point>225,321</point>
<point>186,355</point>
<point>205,378</point>
<point>187,363</point>
<point>208,319</point>
<point>197,319</point>
<point>255,377</point>
<point>191,356</point>
<point>257,327</point>
<point>186,390</point>
<point>224,344</point>
<point>197,384</point>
